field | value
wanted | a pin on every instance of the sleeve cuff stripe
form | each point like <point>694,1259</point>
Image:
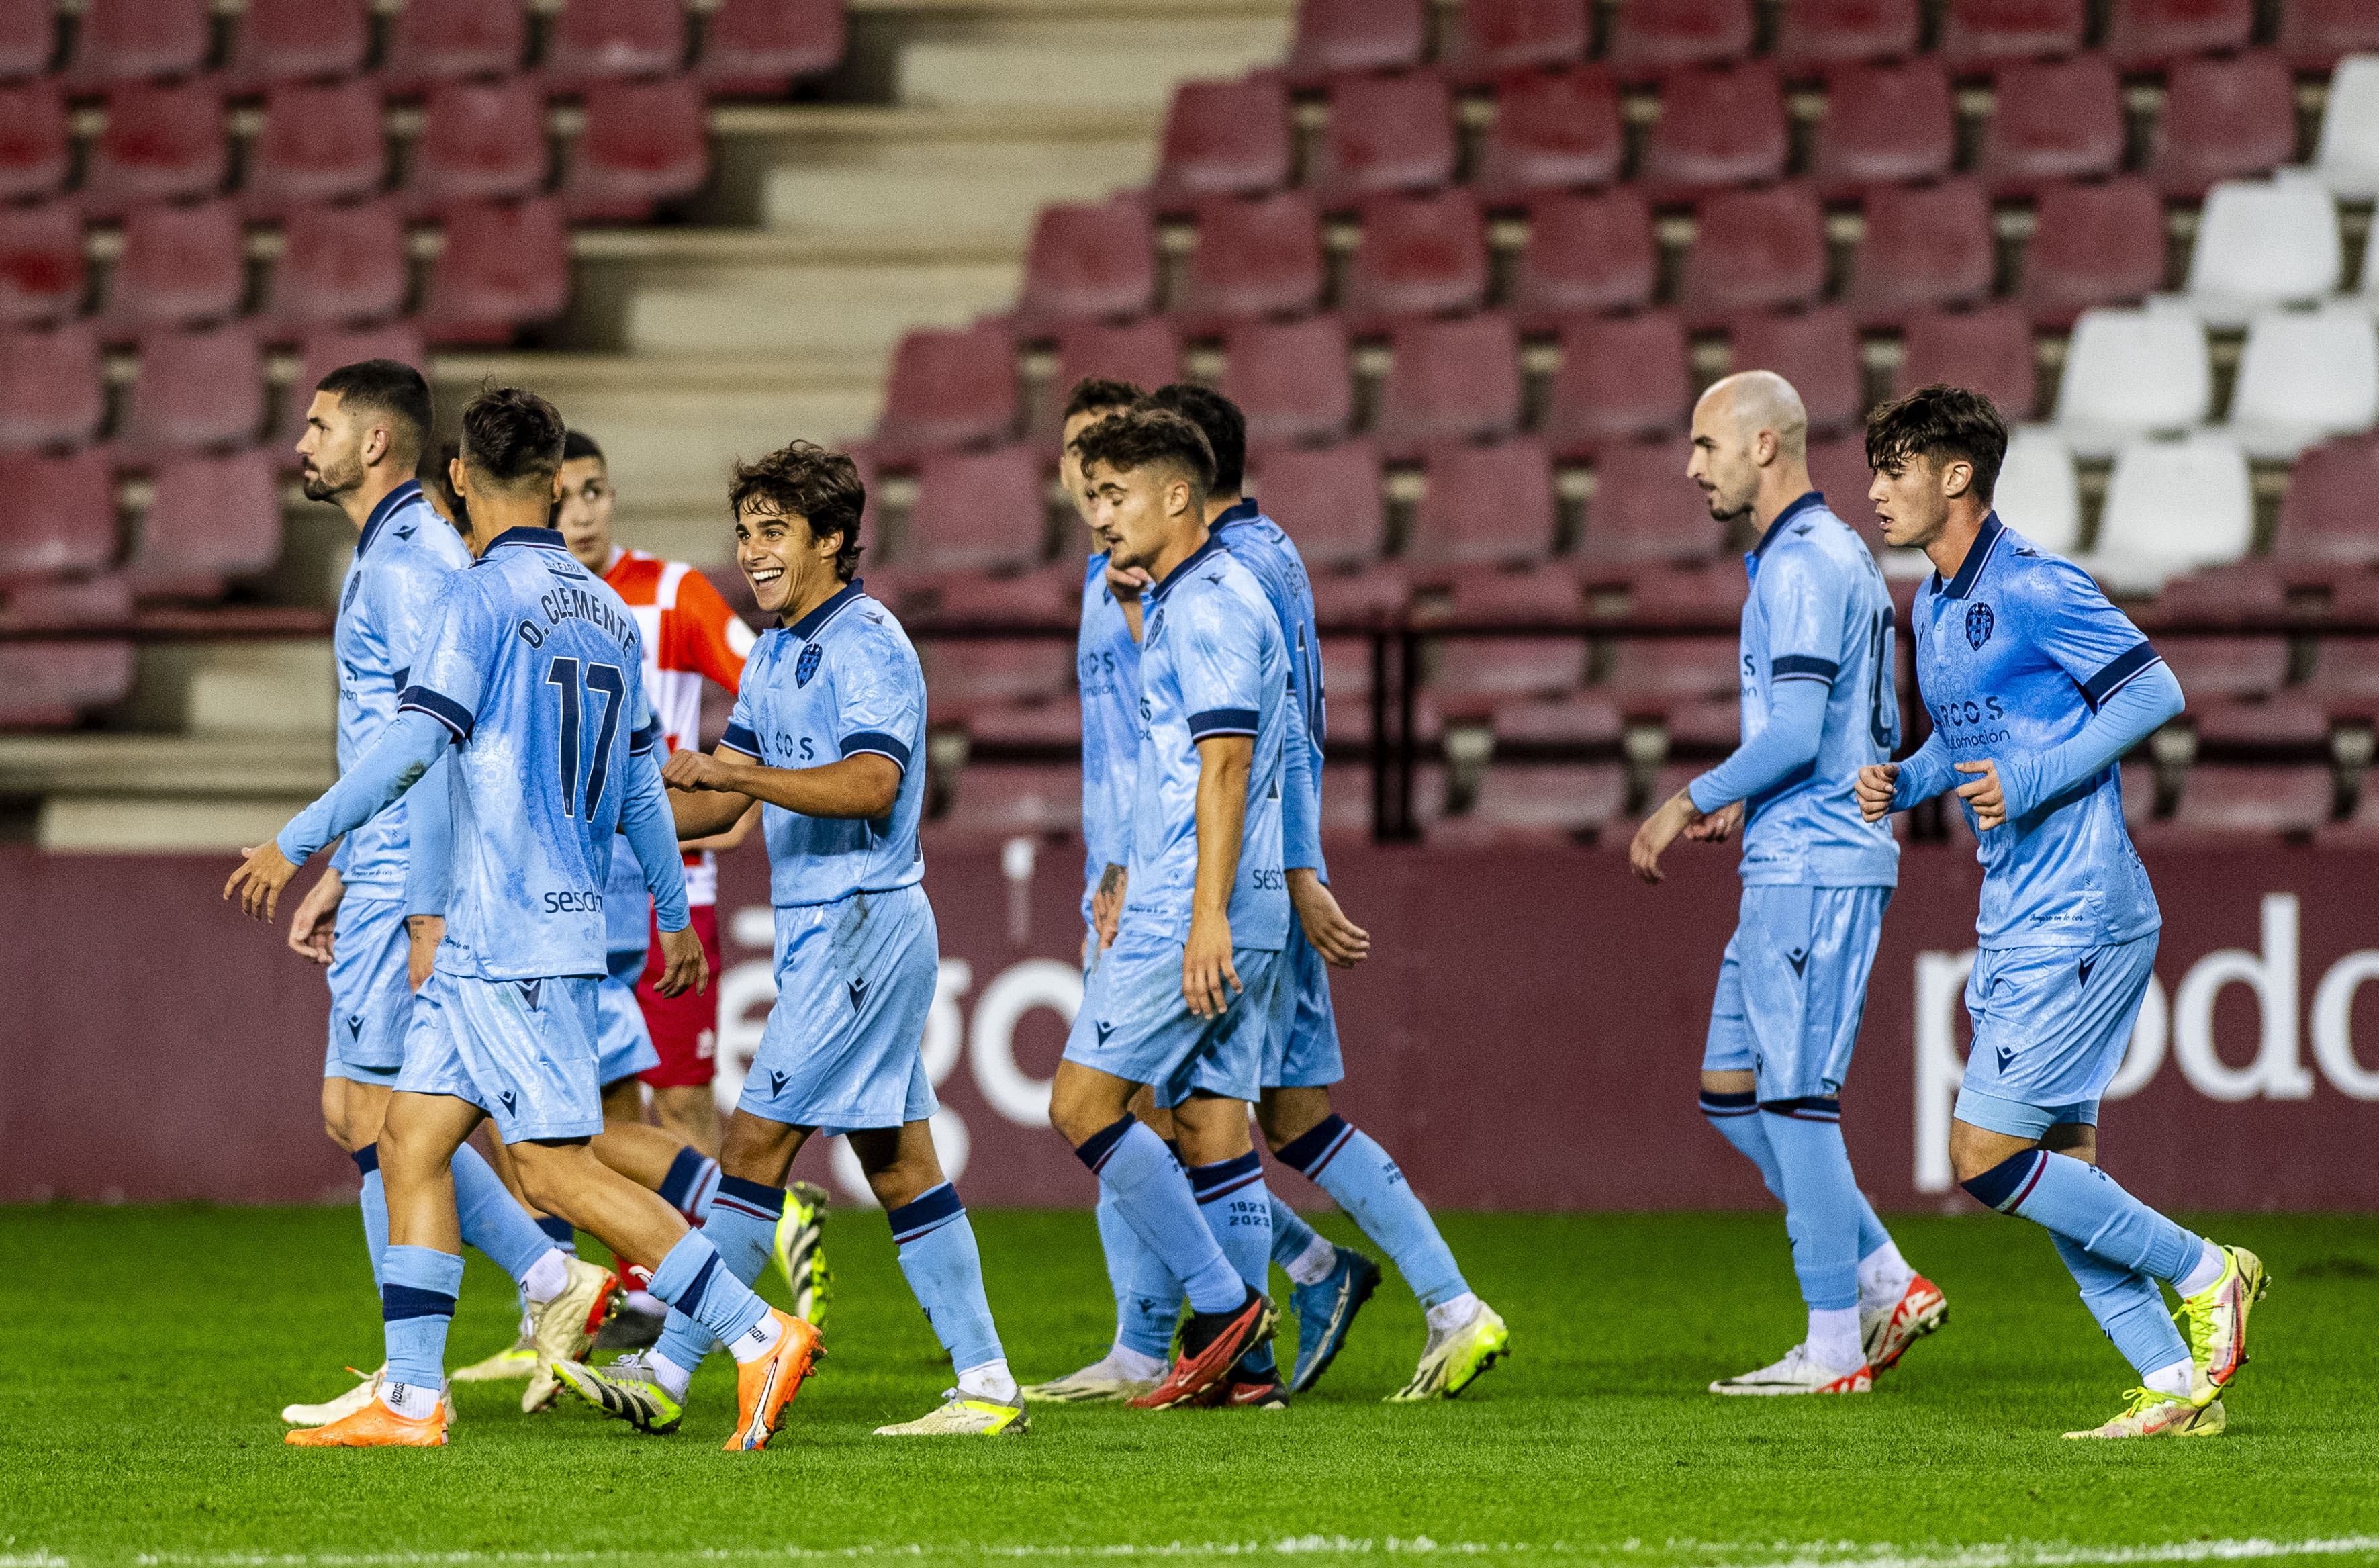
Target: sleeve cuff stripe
<point>2118,673</point>
<point>1803,665</point>
<point>444,709</point>
<point>1821,679</point>
<point>743,740</point>
<point>1222,721</point>
<point>642,741</point>
<point>875,741</point>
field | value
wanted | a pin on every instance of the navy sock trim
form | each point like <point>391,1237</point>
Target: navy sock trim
<point>689,1301</point>
<point>564,1233</point>
<point>1225,1176</point>
<point>1813,1108</point>
<point>1311,1150</point>
<point>1742,1104</point>
<point>753,1199</point>
<point>367,1159</point>
<point>401,1301</point>
<point>925,1213</point>
<point>1093,1150</point>
<point>2006,1185</point>
<point>684,1171</point>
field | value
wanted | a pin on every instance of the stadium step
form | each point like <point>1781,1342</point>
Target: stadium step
<point>1029,51</point>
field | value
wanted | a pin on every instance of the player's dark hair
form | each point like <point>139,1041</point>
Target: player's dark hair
<point>807,481</point>
<point>576,444</point>
<point>1143,437</point>
<point>1100,391</point>
<point>436,473</point>
<point>515,438</point>
<point>1940,423</point>
<point>1219,417</point>
<point>388,387</point>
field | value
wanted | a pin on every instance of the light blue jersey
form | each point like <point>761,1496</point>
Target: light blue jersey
<point>1259,544</point>
<point>839,681</point>
<point>1106,664</point>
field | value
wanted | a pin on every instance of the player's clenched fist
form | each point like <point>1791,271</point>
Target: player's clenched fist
<point>1875,782</point>
<point>695,770</point>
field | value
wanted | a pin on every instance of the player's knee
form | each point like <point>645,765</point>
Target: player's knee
<point>1078,1106</point>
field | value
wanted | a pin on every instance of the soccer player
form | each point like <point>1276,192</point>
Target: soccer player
<point>1180,999</point>
<point>2036,686</point>
<point>377,913</point>
<point>829,719</point>
<point>530,671</point>
<point>1817,704</point>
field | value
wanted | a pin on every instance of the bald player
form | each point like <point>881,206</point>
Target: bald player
<point>1818,705</point>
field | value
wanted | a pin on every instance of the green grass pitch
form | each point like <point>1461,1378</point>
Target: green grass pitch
<point>150,1349</point>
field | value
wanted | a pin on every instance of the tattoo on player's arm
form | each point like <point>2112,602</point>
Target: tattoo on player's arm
<point>1110,879</point>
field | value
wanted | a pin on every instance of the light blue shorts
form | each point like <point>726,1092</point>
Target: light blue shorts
<point>2051,1025</point>
<point>855,981</point>
<point>1302,1046</point>
<point>1136,1025</point>
<point>1793,988</point>
<point>523,1051</point>
<point>371,997</point>
<point>625,1044</point>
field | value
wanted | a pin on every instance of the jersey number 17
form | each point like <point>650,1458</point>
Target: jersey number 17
<point>605,680</point>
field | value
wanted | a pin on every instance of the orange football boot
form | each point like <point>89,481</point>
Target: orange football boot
<point>764,1387</point>
<point>375,1426</point>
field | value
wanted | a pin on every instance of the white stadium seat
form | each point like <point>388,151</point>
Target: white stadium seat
<point>2172,507</point>
<point>2035,494</point>
<point>2347,159</point>
<point>2305,376</point>
<point>2130,372</point>
<point>2263,242</point>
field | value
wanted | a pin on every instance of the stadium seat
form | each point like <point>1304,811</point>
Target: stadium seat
<point>1924,246</point>
<point>1450,380</point>
<point>1290,378</point>
<point>211,518</point>
<point>321,142</point>
<point>1088,261</point>
<point>2128,372</point>
<point>34,148</point>
<point>1145,353</point>
<point>119,40</point>
<point>60,517</point>
<point>1553,129</point>
<point>1224,139</point>
<point>2054,120</point>
<point>1328,499</point>
<point>1491,37</point>
<point>2325,517</point>
<point>338,264</point>
<point>976,512</point>
<point>1753,251</point>
<point>2348,157</point>
<point>28,37</point>
<point>2303,379</point>
<point>2223,120</point>
<point>2316,34</point>
<point>1485,506</point>
<point>2172,507</point>
<point>1838,471</point>
<point>1585,254</point>
<point>195,389</point>
<point>1821,33</point>
<point>1421,255</point>
<point>995,802</point>
<point>978,677</point>
<point>1649,37</point>
<point>51,393</point>
<point>1385,133</point>
<point>164,141</point>
<point>40,263</point>
<point>1719,127</point>
<point>323,351</point>
<point>179,264</point>
<point>2286,718</point>
<point>2214,668</point>
<point>1989,349</point>
<point>434,41</point>
<point>2231,800</point>
<point>1356,35</point>
<point>644,143</point>
<point>504,266</point>
<point>293,39</point>
<point>68,602</point>
<point>1572,720</point>
<point>1536,806</point>
<point>2261,243</point>
<point>1255,257</point>
<point>480,140</point>
<point>1817,350</point>
<point>760,48</point>
<point>1645,512</point>
<point>1620,377</point>
<point>1652,676</point>
<point>598,40</point>
<point>1469,678</point>
<point>2037,494</point>
<point>2146,35</point>
<point>1047,721</point>
<point>1986,32</point>
<point>2092,245</point>
<point>2346,680</point>
<point>948,389</point>
<point>1883,124</point>
<point>44,685</point>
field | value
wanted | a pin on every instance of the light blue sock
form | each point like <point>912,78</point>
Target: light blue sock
<point>492,1219</point>
<point>1136,1166</point>
<point>695,1281</point>
<point>1871,1234</point>
<point>743,1227</point>
<point>1362,1180</point>
<point>1821,1198</point>
<point>1118,1248</point>
<point>373,1201</point>
<point>1148,1299</point>
<point>1238,1208</point>
<point>2128,1306</point>
<point>1736,1117</point>
<point>945,1270</point>
<point>1291,1237</point>
<point>416,1306</point>
<point>2089,1208</point>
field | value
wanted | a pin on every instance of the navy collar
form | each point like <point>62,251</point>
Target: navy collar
<point>809,625</point>
<point>535,538</point>
<point>1813,498</point>
<point>403,495</point>
<point>1978,555</point>
<point>1212,546</point>
<point>1244,510</point>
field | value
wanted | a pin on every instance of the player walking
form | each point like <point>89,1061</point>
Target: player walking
<point>2037,686</point>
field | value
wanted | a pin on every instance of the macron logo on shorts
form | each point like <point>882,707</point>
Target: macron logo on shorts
<point>354,1026</point>
<point>529,990</point>
<point>857,994</point>
<point>1105,1029</point>
<point>776,1083</point>
<point>506,1096</point>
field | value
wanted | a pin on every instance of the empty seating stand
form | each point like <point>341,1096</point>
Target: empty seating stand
<point>1489,37</point>
<point>1088,261</point>
<point>1820,34</point>
<point>1256,258</point>
<point>50,391</point>
<point>60,518</point>
<point>1224,137</point>
<point>321,141</point>
<point>211,518</point>
<point>760,48</point>
<point>1883,123</point>
<point>278,41</point>
<point>1421,255</point>
<point>1720,125</point>
<point>34,150</point>
<point>948,389</point>
<point>120,41</point>
<point>1552,131</point>
<point>1291,380</point>
<point>40,263</point>
<point>179,264</point>
<point>1333,36</point>
<point>1585,253</point>
<point>1450,380</point>
<point>1620,378</point>
<point>976,512</point>
<point>1652,36</point>
<point>1385,133</point>
<point>164,141</point>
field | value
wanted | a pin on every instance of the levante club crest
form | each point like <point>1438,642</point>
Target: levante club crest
<point>808,666</point>
<point>1979,626</point>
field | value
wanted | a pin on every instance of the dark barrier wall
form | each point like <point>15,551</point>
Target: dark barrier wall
<point>1527,1037</point>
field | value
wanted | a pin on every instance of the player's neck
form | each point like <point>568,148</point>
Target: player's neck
<point>493,516</point>
<point>807,597</point>
<point>1217,505</point>
<point>1179,549</point>
<point>1949,549</point>
<point>378,484</point>
<point>1779,487</point>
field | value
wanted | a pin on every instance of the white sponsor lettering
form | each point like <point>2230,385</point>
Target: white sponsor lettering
<point>2275,1073</point>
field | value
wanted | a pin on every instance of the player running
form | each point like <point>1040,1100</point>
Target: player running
<point>1818,704</point>
<point>529,670</point>
<point>2037,686</point>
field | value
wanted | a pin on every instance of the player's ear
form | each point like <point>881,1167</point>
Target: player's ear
<point>1957,476</point>
<point>455,476</point>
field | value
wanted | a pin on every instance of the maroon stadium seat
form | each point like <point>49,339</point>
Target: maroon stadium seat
<point>480,140</point>
<point>2094,245</point>
<point>1328,499</point>
<point>948,389</point>
<point>1925,246</point>
<point>127,40</point>
<point>1661,675</point>
<point>1087,261</point>
<point>321,142</point>
<point>51,392</point>
<point>2345,678</point>
<point>1883,124</point>
<point>291,40</point>
<point>597,40</point>
<point>1620,377</point>
<point>1357,35</point>
<point>1716,127</point>
<point>339,264</point>
<point>1225,137</point>
<point>1989,350</point>
<point>1574,718</point>
<point>34,148</point>
<point>1486,506</point>
<point>979,678</point>
<point>1450,380</point>
<point>2232,801</point>
<point>1472,676</point>
<point>2055,120</point>
<point>995,802</point>
<point>1648,37</point>
<point>212,518</point>
<point>1387,133</point>
<point>40,263</point>
<point>976,512</point>
<point>60,516</point>
<point>323,351</point>
<point>42,685</point>
<point>1489,37</point>
<point>179,264</point>
<point>2224,119</point>
<point>644,143</point>
<point>1838,470</point>
<point>2215,667</point>
<point>2325,517</point>
<point>443,39</point>
<point>1754,249</point>
<point>504,264</point>
<point>1819,33</point>
<point>1585,254</point>
<point>1537,805</point>
<point>2145,35</point>
<point>1553,129</point>
<point>1987,32</point>
<point>1818,350</point>
<point>163,142</point>
<point>28,37</point>
<point>1145,353</point>
<point>1255,257</point>
<point>2315,34</point>
<point>1645,512</point>
<point>760,48</point>
<point>1290,378</point>
<point>197,388</point>
<point>1419,255</point>
<point>63,603</point>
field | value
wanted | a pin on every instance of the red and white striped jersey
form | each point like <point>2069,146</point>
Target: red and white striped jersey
<point>689,634</point>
